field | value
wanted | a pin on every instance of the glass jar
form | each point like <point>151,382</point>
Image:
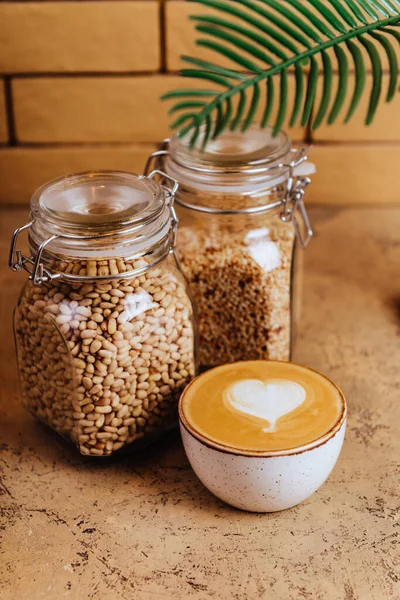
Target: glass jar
<point>241,210</point>
<point>104,325</point>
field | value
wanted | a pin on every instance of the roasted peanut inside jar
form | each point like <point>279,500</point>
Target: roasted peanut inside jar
<point>105,362</point>
<point>106,345</point>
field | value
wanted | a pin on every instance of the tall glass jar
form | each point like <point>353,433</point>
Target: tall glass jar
<point>241,210</point>
<point>104,325</point>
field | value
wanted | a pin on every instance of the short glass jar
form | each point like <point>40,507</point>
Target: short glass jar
<point>241,210</point>
<point>104,326</point>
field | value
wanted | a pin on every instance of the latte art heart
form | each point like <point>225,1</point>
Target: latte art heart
<point>266,401</point>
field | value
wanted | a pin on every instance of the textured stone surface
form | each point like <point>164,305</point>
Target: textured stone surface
<point>143,526</point>
<point>64,37</point>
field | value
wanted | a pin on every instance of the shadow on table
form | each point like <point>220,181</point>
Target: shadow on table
<point>157,470</point>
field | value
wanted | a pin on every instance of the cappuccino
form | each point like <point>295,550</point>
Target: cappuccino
<point>262,406</point>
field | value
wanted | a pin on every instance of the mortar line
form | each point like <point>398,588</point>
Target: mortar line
<point>163,37</point>
<point>12,137</point>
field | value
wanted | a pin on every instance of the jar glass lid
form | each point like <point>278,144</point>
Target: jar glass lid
<point>100,213</point>
<point>236,162</point>
<point>232,151</point>
<point>97,202</point>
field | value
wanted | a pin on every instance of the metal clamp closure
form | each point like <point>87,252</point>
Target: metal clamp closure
<point>171,191</point>
<point>294,201</point>
<point>17,261</point>
<point>157,157</point>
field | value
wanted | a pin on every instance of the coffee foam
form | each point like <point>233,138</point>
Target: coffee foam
<point>262,405</point>
<point>267,401</point>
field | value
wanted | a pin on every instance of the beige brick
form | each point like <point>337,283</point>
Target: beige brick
<point>96,109</point>
<point>92,109</point>
<point>355,174</point>
<point>346,174</point>
<point>22,170</point>
<point>79,36</point>
<point>385,127</point>
<point>3,115</point>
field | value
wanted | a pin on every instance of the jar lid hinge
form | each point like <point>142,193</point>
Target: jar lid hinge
<point>17,261</point>
<point>294,200</point>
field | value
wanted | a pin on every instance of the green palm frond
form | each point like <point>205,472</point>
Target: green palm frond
<point>263,39</point>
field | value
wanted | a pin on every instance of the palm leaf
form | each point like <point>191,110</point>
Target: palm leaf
<point>326,92</point>
<point>360,78</point>
<point>261,40</point>
<point>343,75</point>
<point>299,94</point>
<point>311,91</point>
<point>240,110</point>
<point>269,102</point>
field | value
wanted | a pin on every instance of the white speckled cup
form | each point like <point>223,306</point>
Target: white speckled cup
<point>263,481</point>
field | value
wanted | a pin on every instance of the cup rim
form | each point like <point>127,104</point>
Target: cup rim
<point>265,453</point>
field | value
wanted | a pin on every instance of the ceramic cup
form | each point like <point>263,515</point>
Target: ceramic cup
<point>262,481</point>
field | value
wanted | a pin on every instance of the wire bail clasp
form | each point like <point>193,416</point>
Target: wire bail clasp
<point>171,192</point>
<point>17,261</point>
<point>157,157</point>
<point>294,200</point>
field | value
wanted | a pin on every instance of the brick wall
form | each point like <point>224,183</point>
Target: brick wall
<point>79,89</point>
